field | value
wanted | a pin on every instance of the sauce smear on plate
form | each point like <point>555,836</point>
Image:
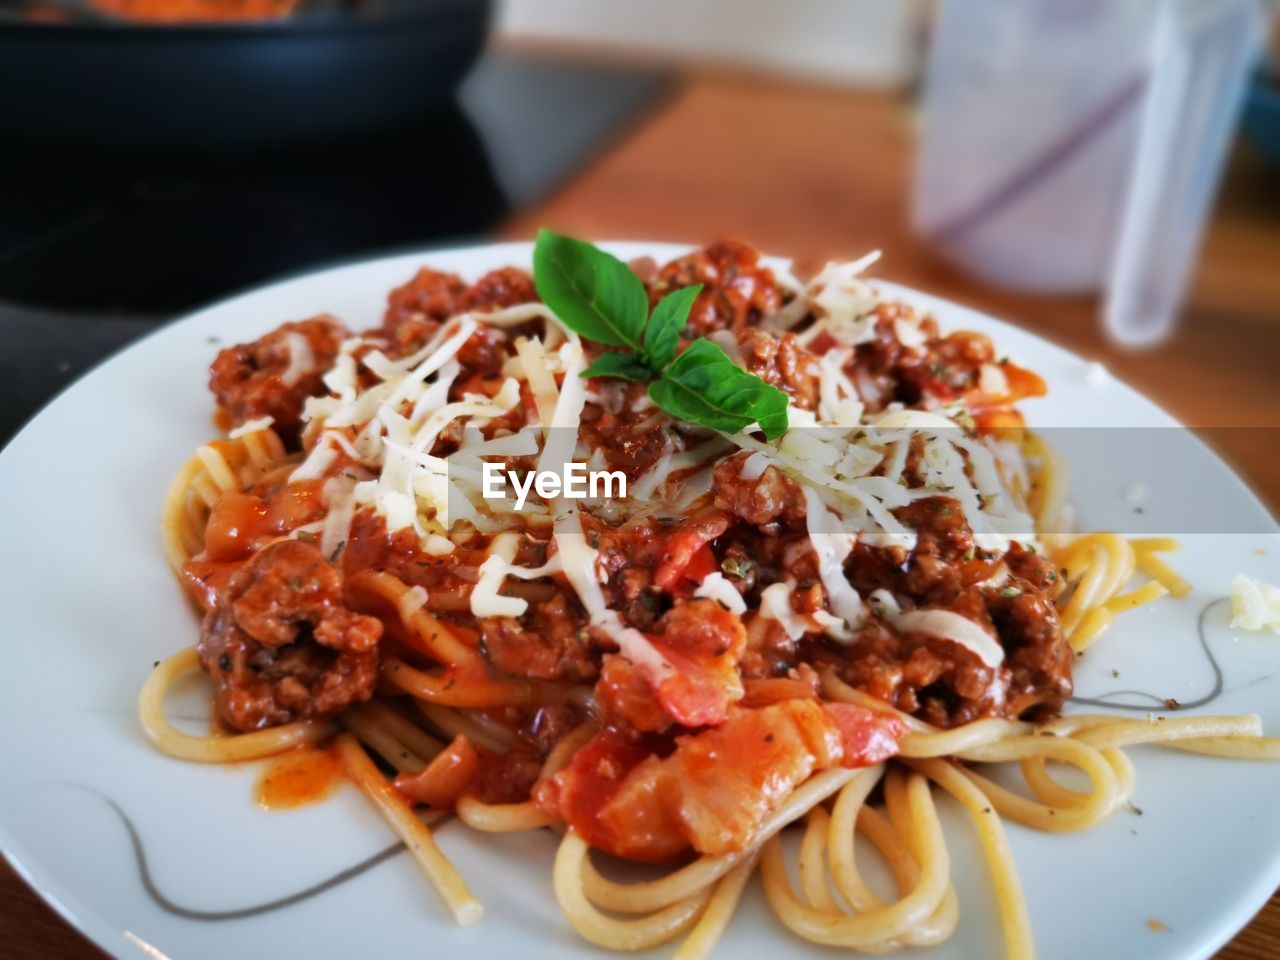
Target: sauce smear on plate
<point>297,779</point>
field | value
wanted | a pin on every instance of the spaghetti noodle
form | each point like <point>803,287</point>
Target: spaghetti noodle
<point>819,631</point>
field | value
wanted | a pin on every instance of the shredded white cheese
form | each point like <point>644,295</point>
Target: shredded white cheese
<point>845,300</point>
<point>754,466</point>
<point>909,333</point>
<point>533,360</point>
<point>1255,605</point>
<point>946,625</point>
<point>562,435</point>
<point>302,359</point>
<point>715,587</point>
<point>438,546</point>
<point>579,561</point>
<point>250,426</point>
<point>884,603</point>
<point>318,461</point>
<point>341,377</point>
<point>833,545</point>
<point>413,600</point>
<point>337,524</point>
<point>992,381</point>
<point>775,604</point>
<point>838,401</point>
<point>485,599</point>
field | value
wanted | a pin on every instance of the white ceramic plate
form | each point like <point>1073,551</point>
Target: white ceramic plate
<point>89,605</point>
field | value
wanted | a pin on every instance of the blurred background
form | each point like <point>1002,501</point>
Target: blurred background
<point>1105,173</point>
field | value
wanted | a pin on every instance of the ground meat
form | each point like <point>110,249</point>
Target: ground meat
<point>549,642</point>
<point>1011,594</point>
<point>447,579</point>
<point>770,651</point>
<point>1037,654</point>
<point>737,291</point>
<point>764,501</point>
<point>483,354</point>
<point>944,563</point>
<point>937,371</point>
<point>622,425</point>
<point>500,288</point>
<point>551,723</point>
<point>931,678</point>
<point>258,379</point>
<point>281,645</point>
<point>944,543</point>
<point>783,363</point>
<point>416,309</point>
<point>508,777</point>
<point>647,561</point>
<point>1034,568</point>
<point>702,627</point>
<point>633,594</point>
<point>629,557</point>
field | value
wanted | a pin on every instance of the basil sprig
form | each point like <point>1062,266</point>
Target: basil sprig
<point>599,297</point>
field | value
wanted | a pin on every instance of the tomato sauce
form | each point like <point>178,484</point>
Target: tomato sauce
<point>298,778</point>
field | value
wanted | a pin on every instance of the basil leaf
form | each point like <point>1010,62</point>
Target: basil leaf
<point>625,366</point>
<point>662,335</point>
<point>594,293</point>
<point>705,387</point>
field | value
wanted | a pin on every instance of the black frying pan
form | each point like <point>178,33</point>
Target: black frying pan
<point>330,70</point>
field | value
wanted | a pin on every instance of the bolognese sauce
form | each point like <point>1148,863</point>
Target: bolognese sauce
<point>728,591</point>
<point>273,375</point>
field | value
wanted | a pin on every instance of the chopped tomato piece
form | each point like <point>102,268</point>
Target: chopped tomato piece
<point>1005,422</point>
<point>1023,382</point>
<point>713,792</point>
<point>867,738</point>
<point>240,522</point>
<point>701,565</point>
<point>578,792</point>
<point>207,581</point>
<point>626,698</point>
<point>690,667</point>
<point>698,691</point>
<point>235,523</point>
<point>687,557</point>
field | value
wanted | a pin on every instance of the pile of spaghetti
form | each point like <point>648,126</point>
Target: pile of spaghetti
<point>820,630</point>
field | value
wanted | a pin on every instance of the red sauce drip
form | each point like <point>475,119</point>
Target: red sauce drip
<point>297,779</point>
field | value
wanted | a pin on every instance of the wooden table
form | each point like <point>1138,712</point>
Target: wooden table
<point>818,173</point>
